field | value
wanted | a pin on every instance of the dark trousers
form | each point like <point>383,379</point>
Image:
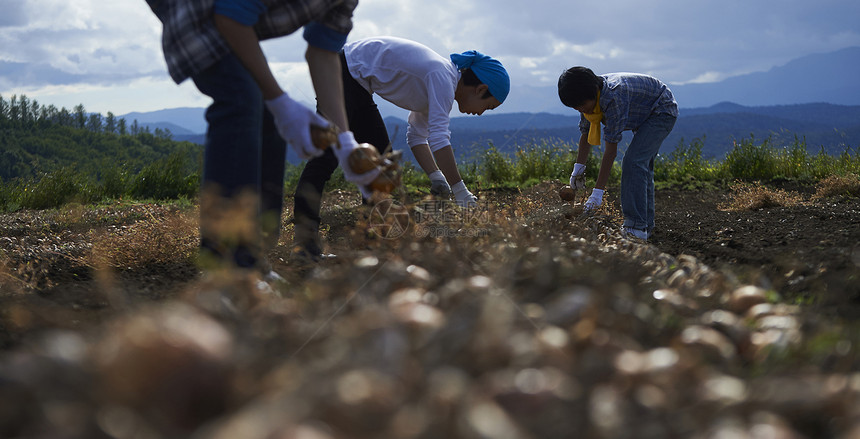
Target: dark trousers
<point>244,154</point>
<point>367,126</point>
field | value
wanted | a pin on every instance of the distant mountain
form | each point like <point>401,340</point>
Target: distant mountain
<point>836,115</point>
<point>174,129</point>
<point>828,77</point>
<point>828,126</point>
<point>820,125</point>
<point>191,119</point>
<point>513,121</point>
<point>815,97</point>
<point>193,138</point>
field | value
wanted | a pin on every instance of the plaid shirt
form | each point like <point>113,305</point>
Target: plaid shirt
<point>191,43</point>
<point>627,100</point>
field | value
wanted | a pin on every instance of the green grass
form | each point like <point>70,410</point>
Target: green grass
<point>165,179</point>
<point>749,160</point>
<point>531,164</point>
<point>685,166</point>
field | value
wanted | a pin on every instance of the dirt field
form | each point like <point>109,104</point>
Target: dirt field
<point>522,320</point>
<point>809,252</point>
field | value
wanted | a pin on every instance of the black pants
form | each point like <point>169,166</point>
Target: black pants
<point>367,126</point>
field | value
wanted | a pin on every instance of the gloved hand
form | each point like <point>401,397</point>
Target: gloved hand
<point>294,121</point>
<point>594,200</point>
<point>577,177</point>
<point>439,185</point>
<point>463,196</point>
<point>346,143</point>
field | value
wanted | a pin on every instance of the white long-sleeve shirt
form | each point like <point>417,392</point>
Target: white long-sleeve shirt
<point>411,76</point>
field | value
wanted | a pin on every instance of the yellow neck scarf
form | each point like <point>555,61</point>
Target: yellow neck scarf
<point>595,119</point>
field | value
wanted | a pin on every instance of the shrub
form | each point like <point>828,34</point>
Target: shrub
<point>114,183</point>
<point>5,195</point>
<point>848,162</point>
<point>52,190</point>
<point>538,162</point>
<point>165,179</point>
<point>471,173</point>
<point>497,168</point>
<point>413,177</point>
<point>794,161</point>
<point>748,161</point>
<point>684,163</point>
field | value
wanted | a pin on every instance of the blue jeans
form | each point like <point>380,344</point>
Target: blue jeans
<point>637,171</point>
<point>243,154</point>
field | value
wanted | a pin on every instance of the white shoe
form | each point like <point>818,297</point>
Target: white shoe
<point>266,288</point>
<point>273,276</point>
<point>635,233</point>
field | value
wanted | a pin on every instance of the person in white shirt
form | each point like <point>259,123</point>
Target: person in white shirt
<point>413,77</point>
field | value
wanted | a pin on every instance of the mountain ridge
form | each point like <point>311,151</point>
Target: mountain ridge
<point>821,125</point>
<point>817,78</point>
<point>822,77</point>
<point>813,98</point>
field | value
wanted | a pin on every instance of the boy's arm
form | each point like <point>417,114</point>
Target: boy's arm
<point>438,183</point>
<point>447,164</point>
<point>425,158</point>
<point>243,41</point>
<point>596,198</point>
<point>584,149</point>
<point>292,119</point>
<point>324,67</point>
<point>325,72</point>
<point>577,176</point>
<point>606,165</point>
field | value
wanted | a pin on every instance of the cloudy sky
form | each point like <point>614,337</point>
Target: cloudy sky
<point>106,55</point>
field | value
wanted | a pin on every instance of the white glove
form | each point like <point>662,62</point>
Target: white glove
<point>594,200</point>
<point>294,122</point>
<point>438,184</point>
<point>463,196</point>
<point>577,177</point>
<point>347,143</point>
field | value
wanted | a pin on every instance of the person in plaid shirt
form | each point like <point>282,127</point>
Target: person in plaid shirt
<point>251,119</point>
<point>620,101</point>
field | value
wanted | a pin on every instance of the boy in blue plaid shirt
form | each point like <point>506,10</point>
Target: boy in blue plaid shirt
<point>620,101</point>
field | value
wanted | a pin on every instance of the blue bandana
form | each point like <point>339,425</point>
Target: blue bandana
<point>490,71</point>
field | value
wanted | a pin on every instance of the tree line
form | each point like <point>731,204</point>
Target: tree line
<point>38,139</point>
<point>20,111</point>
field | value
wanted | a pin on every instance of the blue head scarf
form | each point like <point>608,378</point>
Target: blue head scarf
<point>489,70</point>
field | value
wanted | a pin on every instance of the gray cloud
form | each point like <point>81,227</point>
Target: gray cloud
<point>57,42</point>
<point>13,14</point>
<point>29,75</point>
<point>679,40</point>
<point>20,74</point>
